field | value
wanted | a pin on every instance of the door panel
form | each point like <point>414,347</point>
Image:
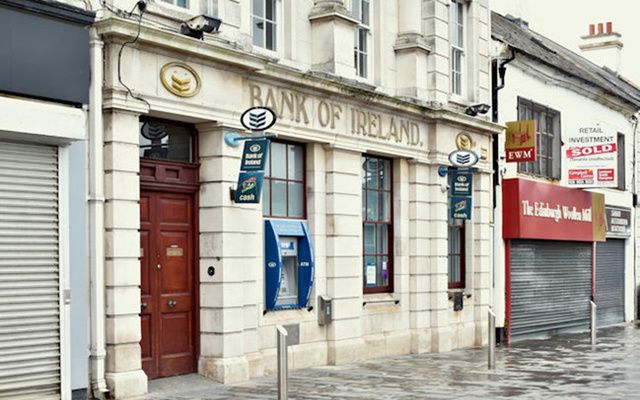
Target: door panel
<point>167,277</point>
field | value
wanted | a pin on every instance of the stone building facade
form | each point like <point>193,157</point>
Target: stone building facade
<point>355,85</point>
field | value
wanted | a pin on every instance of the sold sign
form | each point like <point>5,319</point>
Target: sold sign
<point>575,152</point>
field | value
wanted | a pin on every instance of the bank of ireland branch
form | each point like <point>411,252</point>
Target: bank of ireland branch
<point>352,209</point>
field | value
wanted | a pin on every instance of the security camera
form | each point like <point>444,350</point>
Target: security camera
<point>477,109</point>
<point>196,27</point>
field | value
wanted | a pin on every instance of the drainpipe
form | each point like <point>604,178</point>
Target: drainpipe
<point>635,118</point>
<point>96,220</point>
<point>497,83</point>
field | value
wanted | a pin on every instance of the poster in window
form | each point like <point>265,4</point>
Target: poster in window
<point>590,154</point>
<point>521,141</point>
<point>371,274</point>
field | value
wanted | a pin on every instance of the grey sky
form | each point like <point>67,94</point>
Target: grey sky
<point>564,21</point>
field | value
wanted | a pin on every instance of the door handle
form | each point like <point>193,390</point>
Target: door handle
<point>158,266</point>
<point>143,306</point>
<point>172,303</point>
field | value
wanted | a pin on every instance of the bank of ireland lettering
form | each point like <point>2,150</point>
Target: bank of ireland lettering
<point>336,116</point>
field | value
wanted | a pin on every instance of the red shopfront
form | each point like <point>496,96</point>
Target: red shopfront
<point>549,234</point>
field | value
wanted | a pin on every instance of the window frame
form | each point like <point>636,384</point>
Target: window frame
<point>268,181</point>
<point>554,155</point>
<point>193,139</point>
<point>276,25</point>
<point>358,53</point>
<point>389,288</point>
<point>456,48</point>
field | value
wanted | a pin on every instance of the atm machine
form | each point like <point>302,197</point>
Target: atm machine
<point>289,264</point>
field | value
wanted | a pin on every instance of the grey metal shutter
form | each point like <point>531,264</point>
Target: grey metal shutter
<point>550,287</point>
<point>29,272</point>
<point>610,281</point>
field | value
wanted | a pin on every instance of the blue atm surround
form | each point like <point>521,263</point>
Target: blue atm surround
<point>273,230</point>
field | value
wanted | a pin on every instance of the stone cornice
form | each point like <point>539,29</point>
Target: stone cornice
<point>331,10</point>
<point>117,29</point>
<point>120,28</point>
<point>411,42</point>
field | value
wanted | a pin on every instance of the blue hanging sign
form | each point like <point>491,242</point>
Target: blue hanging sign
<point>460,207</point>
<point>254,155</point>
<point>249,187</point>
<point>461,183</point>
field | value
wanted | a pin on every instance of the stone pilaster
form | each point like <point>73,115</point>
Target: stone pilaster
<point>344,254</point>
<point>124,374</point>
<point>230,242</point>
<point>438,262</point>
<point>436,31</point>
<point>420,277</point>
<point>482,245</point>
<point>411,51</point>
<point>332,28</point>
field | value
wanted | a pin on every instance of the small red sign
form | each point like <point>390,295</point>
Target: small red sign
<point>575,174</point>
<point>606,175</point>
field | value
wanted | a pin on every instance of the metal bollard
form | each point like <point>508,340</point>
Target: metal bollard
<point>283,366</point>
<point>594,309</point>
<point>492,339</point>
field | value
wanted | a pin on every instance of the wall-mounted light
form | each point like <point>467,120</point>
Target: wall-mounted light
<point>477,109</point>
<point>196,27</point>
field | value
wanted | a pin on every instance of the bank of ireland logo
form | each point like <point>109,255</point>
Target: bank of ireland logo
<point>258,118</point>
<point>255,148</point>
<point>463,158</point>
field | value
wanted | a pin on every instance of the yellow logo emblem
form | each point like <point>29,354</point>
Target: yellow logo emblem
<point>464,141</point>
<point>180,79</point>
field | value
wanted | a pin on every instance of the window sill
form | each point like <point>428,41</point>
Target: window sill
<point>170,11</point>
<point>555,181</point>
<point>283,317</point>
<point>273,55</point>
<point>459,101</point>
<point>380,303</point>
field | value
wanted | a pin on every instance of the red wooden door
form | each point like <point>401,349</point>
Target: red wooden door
<point>167,283</point>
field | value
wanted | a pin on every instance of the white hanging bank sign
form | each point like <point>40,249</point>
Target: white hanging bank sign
<point>590,156</point>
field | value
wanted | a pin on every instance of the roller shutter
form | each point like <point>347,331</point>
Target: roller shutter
<point>550,287</point>
<point>610,281</point>
<point>29,272</point>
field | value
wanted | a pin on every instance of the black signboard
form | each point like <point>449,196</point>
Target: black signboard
<point>618,220</point>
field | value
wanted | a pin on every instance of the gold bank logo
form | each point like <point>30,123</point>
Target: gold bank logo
<point>180,79</point>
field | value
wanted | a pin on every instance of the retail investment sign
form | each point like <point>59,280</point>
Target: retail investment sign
<point>591,156</point>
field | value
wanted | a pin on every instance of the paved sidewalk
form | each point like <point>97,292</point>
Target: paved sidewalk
<point>563,367</point>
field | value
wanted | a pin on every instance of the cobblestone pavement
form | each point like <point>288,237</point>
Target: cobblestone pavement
<point>563,367</point>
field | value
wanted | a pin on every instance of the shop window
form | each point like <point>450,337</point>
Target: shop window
<point>377,225</point>
<point>621,162</point>
<point>457,31</point>
<point>283,188</point>
<point>361,10</point>
<point>264,23</point>
<point>166,140</point>
<point>548,144</point>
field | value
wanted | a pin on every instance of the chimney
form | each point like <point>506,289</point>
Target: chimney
<point>603,46</point>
